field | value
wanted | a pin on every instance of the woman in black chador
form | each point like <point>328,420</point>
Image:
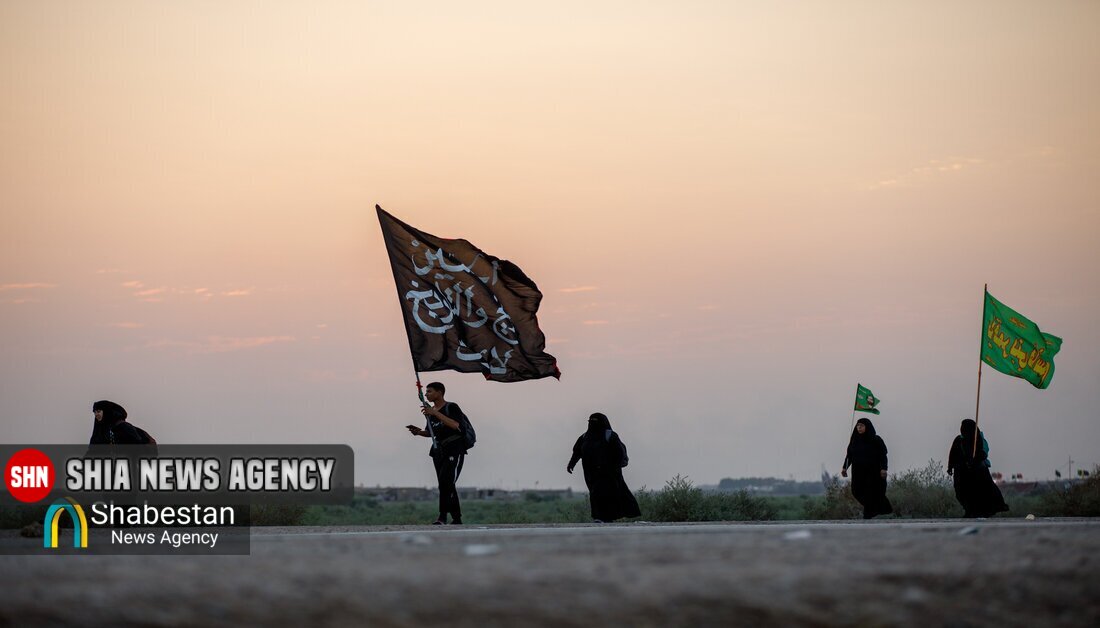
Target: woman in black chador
<point>867,457</point>
<point>111,427</point>
<point>604,457</point>
<point>974,487</point>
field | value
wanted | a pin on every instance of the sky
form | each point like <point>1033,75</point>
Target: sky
<point>735,211</point>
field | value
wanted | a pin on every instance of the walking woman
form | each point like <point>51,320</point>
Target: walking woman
<point>604,456</point>
<point>974,487</point>
<point>867,458</point>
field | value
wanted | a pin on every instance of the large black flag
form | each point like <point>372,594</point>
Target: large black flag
<point>465,310</point>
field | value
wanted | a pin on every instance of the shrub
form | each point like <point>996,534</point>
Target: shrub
<point>837,503</point>
<point>1080,499</point>
<point>925,493</point>
<point>276,514</point>
<point>680,500</point>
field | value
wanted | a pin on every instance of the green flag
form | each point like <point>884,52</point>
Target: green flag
<point>866,400</point>
<point>1015,346</point>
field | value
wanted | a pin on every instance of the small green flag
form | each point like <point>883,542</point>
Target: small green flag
<point>866,400</point>
<point>1015,346</point>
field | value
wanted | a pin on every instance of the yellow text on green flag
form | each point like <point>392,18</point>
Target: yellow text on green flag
<point>1015,346</point>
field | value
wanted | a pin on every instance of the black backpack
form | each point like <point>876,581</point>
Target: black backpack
<point>468,433</point>
<point>469,436</point>
<point>149,440</point>
<point>466,430</point>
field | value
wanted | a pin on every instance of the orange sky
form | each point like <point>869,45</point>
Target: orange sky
<point>736,211</point>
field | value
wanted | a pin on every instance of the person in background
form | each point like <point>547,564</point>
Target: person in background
<point>603,455</point>
<point>867,457</point>
<point>974,486</point>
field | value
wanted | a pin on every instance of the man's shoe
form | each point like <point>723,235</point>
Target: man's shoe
<point>456,522</point>
<point>438,522</point>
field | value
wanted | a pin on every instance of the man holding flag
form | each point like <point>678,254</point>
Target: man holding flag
<point>447,423</point>
<point>467,311</point>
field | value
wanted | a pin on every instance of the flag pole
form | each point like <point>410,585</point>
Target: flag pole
<point>404,319</point>
<point>978,402</point>
<point>853,425</point>
<point>424,404</point>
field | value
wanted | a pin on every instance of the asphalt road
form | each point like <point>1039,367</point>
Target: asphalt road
<point>930,573</point>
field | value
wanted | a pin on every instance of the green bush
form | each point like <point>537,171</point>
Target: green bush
<point>1081,499</point>
<point>276,514</point>
<point>923,493</point>
<point>680,500</point>
<point>837,503</point>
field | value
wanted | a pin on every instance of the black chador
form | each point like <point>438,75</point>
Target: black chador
<point>974,487</point>
<point>604,456</point>
<point>867,457</point>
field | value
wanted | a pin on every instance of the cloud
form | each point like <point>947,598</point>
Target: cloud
<point>20,301</point>
<point>127,325</point>
<point>25,286</point>
<point>926,172</point>
<point>110,271</point>
<point>579,289</point>
<point>202,293</point>
<point>595,322</point>
<point>218,344</point>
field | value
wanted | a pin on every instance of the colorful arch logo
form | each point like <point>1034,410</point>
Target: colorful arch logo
<point>53,517</point>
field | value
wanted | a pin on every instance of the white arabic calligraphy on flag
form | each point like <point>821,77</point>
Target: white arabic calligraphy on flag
<point>457,312</point>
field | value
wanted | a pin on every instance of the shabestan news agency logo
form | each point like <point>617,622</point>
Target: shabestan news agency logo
<point>50,526</point>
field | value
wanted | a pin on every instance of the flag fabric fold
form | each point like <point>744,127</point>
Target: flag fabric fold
<point>465,310</point>
<point>1015,346</point>
<point>865,400</point>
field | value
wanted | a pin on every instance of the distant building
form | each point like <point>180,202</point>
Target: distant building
<point>770,486</point>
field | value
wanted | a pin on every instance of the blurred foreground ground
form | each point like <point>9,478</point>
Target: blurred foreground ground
<point>1006,573</point>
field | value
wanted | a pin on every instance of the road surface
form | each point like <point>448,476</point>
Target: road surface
<point>929,573</point>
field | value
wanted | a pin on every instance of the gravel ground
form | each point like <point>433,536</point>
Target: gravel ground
<point>935,573</point>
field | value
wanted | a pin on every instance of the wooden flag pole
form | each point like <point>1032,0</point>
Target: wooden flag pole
<point>978,403</point>
<point>853,425</point>
<point>424,404</point>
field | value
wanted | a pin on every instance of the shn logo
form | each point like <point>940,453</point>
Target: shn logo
<point>53,517</point>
